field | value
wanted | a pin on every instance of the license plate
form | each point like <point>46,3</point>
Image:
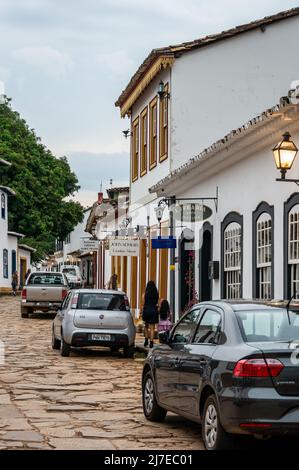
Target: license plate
<point>97,337</point>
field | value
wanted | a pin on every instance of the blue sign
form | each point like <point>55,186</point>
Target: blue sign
<point>159,243</point>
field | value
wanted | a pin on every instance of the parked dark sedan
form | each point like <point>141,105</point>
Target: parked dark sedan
<point>231,366</point>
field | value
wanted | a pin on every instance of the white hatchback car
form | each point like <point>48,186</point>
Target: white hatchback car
<point>92,317</point>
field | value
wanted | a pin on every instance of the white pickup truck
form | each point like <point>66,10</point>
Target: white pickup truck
<point>44,291</point>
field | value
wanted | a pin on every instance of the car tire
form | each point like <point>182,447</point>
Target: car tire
<point>65,348</point>
<point>24,313</point>
<point>129,351</point>
<point>213,434</point>
<point>55,341</point>
<point>152,411</point>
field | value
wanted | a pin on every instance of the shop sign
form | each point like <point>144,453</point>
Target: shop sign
<point>89,244</point>
<point>159,243</point>
<point>191,212</point>
<point>124,247</point>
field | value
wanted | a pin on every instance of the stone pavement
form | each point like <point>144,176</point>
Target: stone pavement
<point>91,400</point>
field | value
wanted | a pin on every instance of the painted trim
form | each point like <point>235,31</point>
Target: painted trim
<point>288,205</point>
<point>207,227</point>
<point>135,151</point>
<point>164,102</point>
<point>228,219</point>
<point>144,114</point>
<point>263,207</point>
<point>153,102</point>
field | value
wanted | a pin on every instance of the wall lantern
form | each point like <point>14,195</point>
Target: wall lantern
<point>284,155</point>
<point>127,133</point>
<point>161,91</point>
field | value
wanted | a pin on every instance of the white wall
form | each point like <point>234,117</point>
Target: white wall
<point>6,242</point>
<point>218,88</point>
<point>241,188</point>
<point>75,239</point>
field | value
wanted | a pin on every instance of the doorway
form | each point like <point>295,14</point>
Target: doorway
<point>187,273</point>
<point>23,269</point>
<point>205,256</point>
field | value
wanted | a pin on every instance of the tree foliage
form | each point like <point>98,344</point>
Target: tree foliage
<point>41,209</point>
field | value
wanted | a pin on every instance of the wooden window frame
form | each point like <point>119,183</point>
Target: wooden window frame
<point>163,126</point>
<point>143,141</point>
<point>135,149</point>
<point>153,139</point>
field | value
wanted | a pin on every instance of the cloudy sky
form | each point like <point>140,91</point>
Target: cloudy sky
<point>64,63</point>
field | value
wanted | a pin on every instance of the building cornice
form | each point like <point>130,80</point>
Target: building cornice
<point>161,63</point>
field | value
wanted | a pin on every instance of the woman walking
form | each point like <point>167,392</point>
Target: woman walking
<point>112,284</point>
<point>150,314</point>
<point>14,283</point>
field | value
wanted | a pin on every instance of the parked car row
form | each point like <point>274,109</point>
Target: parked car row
<point>85,317</point>
<point>232,366</point>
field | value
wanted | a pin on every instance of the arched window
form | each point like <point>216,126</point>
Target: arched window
<point>3,206</point>
<point>291,247</point>
<point>232,243</point>
<point>263,252</point>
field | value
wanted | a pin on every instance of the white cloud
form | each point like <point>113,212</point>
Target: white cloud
<point>51,61</point>
<point>117,62</point>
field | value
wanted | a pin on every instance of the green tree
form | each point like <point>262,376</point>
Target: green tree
<point>42,209</point>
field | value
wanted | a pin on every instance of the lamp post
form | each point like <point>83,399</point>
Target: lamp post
<point>159,214</point>
<point>284,155</point>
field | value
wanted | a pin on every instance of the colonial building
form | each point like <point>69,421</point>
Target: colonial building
<point>13,256</point>
<point>106,216</point>
<point>203,120</point>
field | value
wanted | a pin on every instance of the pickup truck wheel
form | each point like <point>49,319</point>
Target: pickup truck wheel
<point>65,348</point>
<point>152,411</point>
<point>129,351</point>
<point>55,341</point>
<point>24,313</point>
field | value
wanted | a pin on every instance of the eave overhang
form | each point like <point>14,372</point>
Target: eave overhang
<point>131,95</point>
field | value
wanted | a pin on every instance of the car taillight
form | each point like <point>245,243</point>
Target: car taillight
<point>63,294</point>
<point>24,293</point>
<point>74,301</point>
<point>258,368</point>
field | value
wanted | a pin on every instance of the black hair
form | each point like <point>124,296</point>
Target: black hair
<point>151,291</point>
<point>164,310</point>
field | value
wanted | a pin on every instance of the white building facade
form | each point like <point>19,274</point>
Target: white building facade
<point>12,256</point>
<point>200,139</point>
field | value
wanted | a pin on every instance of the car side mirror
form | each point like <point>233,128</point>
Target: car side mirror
<point>164,337</point>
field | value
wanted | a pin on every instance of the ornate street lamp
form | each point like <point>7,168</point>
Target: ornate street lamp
<point>284,155</point>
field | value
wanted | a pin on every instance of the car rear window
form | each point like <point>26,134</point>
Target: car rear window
<point>46,278</point>
<point>268,325</point>
<point>90,301</point>
<point>71,271</point>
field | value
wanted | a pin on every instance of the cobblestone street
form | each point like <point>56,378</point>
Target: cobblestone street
<point>91,400</point>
